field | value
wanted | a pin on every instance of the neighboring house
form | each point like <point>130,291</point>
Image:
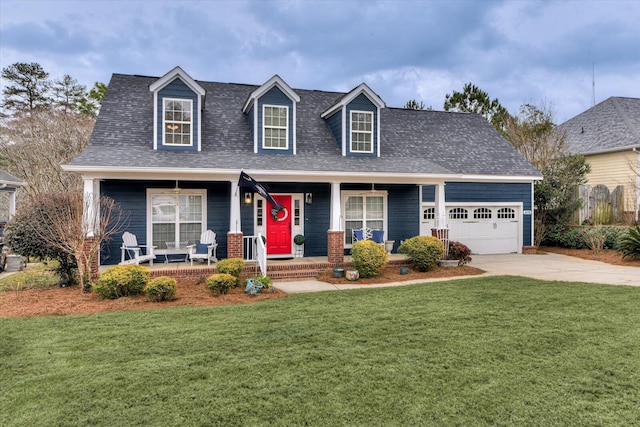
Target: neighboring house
<point>170,151</point>
<point>9,184</point>
<point>608,135</point>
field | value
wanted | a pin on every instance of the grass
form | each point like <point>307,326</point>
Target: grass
<point>484,351</point>
<point>35,277</point>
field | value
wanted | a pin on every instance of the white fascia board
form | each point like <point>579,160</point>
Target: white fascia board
<point>155,121</point>
<point>103,172</point>
<point>276,80</point>
<point>171,75</point>
<point>11,184</point>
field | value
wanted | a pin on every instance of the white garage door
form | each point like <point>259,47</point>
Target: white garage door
<point>484,229</point>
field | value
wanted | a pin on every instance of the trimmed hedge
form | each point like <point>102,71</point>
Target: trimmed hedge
<point>122,280</point>
<point>232,266</point>
<point>221,283</point>
<point>368,258</point>
<point>161,288</point>
<point>423,251</point>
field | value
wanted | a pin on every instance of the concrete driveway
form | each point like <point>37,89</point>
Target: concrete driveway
<point>546,267</point>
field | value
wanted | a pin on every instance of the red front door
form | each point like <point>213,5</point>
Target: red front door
<point>279,229</point>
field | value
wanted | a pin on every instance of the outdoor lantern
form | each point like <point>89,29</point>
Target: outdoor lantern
<point>308,198</point>
<point>247,198</point>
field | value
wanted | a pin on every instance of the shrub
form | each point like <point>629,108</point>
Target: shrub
<point>122,280</point>
<point>594,238</point>
<point>629,243</point>
<point>423,251</point>
<point>298,239</point>
<point>220,283</point>
<point>161,289</point>
<point>368,258</point>
<point>459,251</point>
<point>612,235</point>
<point>232,266</point>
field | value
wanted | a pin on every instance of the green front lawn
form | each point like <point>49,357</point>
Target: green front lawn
<point>486,351</point>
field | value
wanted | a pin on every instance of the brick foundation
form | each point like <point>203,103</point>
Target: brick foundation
<point>529,250</point>
<point>335,247</point>
<point>234,245</point>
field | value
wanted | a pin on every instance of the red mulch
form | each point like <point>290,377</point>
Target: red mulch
<point>65,301</point>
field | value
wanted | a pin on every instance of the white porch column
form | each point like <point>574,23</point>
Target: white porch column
<point>235,226</point>
<point>441,211</point>
<point>335,222</point>
<point>12,204</point>
<point>91,205</point>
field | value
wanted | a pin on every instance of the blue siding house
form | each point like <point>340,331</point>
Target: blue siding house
<point>170,151</point>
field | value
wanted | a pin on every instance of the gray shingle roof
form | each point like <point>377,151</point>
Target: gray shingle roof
<point>426,142</point>
<point>10,180</point>
<point>613,123</point>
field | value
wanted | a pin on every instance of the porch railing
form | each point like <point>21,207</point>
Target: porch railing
<point>254,250</point>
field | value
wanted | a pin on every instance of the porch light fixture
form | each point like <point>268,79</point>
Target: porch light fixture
<point>247,198</point>
<point>308,198</point>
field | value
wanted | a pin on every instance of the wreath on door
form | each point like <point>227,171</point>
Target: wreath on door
<point>275,213</point>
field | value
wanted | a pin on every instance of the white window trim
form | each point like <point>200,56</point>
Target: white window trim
<point>172,192</point>
<point>164,133</point>
<point>351,131</point>
<point>286,128</point>
<point>385,206</point>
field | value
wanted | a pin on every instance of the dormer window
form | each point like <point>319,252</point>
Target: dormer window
<point>275,129</point>
<point>361,132</point>
<point>177,121</point>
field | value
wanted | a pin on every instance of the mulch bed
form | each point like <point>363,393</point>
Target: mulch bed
<point>392,274</point>
<point>606,255</point>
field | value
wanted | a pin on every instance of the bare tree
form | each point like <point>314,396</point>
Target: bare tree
<point>34,145</point>
<point>533,133</point>
<point>72,218</point>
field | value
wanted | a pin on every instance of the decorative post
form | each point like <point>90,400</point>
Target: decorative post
<point>335,236</point>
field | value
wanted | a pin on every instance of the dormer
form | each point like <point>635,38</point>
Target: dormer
<point>354,121</point>
<point>177,103</point>
<point>271,112</point>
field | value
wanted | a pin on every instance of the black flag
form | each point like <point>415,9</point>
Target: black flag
<point>246,181</point>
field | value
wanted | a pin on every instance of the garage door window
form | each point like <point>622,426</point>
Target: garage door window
<point>506,213</point>
<point>482,213</point>
<point>429,213</point>
<point>458,213</point>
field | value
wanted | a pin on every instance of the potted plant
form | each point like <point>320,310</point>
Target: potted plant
<point>299,241</point>
<point>458,254</point>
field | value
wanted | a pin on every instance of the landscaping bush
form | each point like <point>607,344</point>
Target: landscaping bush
<point>368,258</point>
<point>423,251</point>
<point>577,237</point>
<point>459,251</point>
<point>221,283</point>
<point>232,266</point>
<point>122,280</point>
<point>161,289</point>
<point>594,238</point>
<point>629,243</point>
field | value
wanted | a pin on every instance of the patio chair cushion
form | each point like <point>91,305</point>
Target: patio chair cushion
<point>378,236</point>
<point>357,235</point>
<point>202,248</point>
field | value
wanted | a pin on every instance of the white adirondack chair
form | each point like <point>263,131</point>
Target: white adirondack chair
<point>132,253</point>
<point>206,249</point>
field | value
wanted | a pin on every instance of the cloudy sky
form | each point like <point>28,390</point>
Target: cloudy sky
<point>517,51</point>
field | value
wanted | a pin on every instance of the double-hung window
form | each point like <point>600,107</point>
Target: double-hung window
<point>275,132</point>
<point>363,211</point>
<point>362,132</point>
<point>177,126</point>
<point>176,219</point>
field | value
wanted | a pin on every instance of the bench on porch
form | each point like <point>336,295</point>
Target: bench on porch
<point>367,233</point>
